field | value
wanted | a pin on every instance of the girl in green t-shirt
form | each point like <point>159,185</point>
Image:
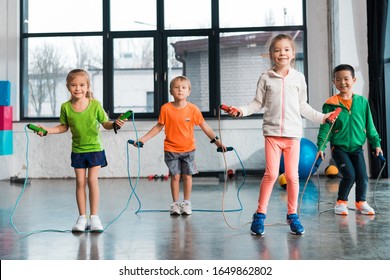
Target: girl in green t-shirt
<point>83,115</point>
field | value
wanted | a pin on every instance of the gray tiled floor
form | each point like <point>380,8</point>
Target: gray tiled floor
<point>208,234</point>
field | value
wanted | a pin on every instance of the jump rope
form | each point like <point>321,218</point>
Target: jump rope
<point>223,210</point>
<point>133,187</point>
<point>39,129</point>
<point>316,164</point>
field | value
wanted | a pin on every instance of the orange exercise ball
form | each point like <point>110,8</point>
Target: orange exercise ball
<point>282,181</point>
<point>331,171</point>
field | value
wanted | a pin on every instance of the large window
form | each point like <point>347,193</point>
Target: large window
<point>132,49</point>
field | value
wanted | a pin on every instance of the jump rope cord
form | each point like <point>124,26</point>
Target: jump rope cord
<point>311,171</point>
<point>205,210</point>
<point>64,231</point>
<point>225,181</point>
<point>21,194</point>
<point>130,182</point>
<point>376,183</point>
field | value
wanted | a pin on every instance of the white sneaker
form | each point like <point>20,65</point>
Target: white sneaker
<point>341,207</point>
<point>81,224</point>
<point>175,209</point>
<point>96,225</point>
<point>362,207</point>
<point>186,208</point>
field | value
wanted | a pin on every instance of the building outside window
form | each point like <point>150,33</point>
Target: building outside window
<point>132,49</point>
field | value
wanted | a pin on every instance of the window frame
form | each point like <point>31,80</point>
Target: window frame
<point>160,39</point>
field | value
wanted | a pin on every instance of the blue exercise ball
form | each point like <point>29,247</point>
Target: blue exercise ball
<point>307,156</point>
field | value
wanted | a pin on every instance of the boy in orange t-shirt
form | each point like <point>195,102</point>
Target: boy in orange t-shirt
<point>179,118</point>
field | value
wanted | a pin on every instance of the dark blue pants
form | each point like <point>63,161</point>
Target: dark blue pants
<point>353,169</point>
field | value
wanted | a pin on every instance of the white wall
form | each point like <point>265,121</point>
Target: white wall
<point>49,157</point>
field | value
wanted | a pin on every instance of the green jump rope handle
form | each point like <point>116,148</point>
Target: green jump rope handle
<point>36,128</point>
<point>123,117</point>
<point>126,115</point>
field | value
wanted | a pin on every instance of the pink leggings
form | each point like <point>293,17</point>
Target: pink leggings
<point>274,147</point>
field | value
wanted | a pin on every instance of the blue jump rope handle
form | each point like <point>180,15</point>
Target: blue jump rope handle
<point>139,144</point>
<point>318,162</point>
<point>381,157</point>
<point>37,128</point>
<point>228,149</point>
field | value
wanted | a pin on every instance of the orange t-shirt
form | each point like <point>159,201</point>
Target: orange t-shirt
<point>179,126</point>
<point>346,102</point>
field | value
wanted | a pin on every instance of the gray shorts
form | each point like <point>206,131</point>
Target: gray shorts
<point>181,163</point>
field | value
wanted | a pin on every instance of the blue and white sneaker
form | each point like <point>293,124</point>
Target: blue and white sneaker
<point>257,227</point>
<point>295,224</point>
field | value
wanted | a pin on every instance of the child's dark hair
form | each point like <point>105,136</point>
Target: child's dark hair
<point>344,67</point>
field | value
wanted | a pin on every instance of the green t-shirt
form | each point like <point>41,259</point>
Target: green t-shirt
<point>84,126</point>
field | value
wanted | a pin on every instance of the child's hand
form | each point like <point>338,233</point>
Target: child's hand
<point>138,143</point>
<point>41,133</point>
<point>320,154</point>
<point>119,122</point>
<point>234,112</point>
<point>378,150</point>
<point>220,145</point>
<point>327,116</point>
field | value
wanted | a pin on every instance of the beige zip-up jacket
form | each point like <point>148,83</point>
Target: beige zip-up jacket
<point>284,100</point>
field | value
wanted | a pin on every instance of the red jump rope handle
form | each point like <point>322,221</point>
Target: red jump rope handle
<point>334,116</point>
<point>229,109</point>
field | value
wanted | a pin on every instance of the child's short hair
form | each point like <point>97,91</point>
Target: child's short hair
<point>180,78</point>
<point>344,67</point>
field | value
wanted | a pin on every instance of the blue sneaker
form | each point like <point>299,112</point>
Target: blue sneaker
<point>295,224</point>
<point>257,227</point>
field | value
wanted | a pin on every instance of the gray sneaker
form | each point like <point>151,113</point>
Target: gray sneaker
<point>186,208</point>
<point>175,209</point>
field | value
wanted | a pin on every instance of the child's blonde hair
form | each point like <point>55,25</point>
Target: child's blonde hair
<point>76,72</point>
<point>180,78</point>
<point>271,45</point>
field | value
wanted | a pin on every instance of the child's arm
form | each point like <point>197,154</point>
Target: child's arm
<point>110,125</point>
<point>150,134</point>
<point>211,135</point>
<point>61,128</point>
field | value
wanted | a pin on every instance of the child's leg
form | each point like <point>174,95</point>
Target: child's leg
<point>187,188</point>
<point>81,196</point>
<point>175,187</point>
<point>272,153</point>
<point>347,170</point>
<point>93,186</point>
<point>291,162</point>
<point>361,174</point>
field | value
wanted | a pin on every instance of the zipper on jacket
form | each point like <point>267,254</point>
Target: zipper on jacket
<point>283,109</point>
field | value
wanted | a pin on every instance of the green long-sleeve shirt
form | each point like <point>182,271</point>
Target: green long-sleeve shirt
<point>352,127</point>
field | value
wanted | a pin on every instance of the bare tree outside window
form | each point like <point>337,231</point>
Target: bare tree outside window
<point>45,72</point>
